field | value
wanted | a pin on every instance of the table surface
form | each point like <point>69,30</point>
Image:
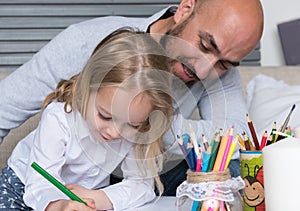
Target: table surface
<point>165,203</point>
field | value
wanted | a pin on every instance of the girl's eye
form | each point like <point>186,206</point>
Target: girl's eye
<point>136,127</point>
<point>104,117</point>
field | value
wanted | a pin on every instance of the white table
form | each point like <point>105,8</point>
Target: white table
<point>165,203</point>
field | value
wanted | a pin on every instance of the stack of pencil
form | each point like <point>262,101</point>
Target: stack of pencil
<point>206,157</point>
<point>246,144</point>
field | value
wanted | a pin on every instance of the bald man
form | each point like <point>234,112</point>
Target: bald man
<point>206,39</point>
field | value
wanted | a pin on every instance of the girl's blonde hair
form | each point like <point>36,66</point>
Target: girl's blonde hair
<point>134,60</point>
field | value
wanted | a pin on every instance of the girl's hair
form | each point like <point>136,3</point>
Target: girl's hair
<point>133,60</point>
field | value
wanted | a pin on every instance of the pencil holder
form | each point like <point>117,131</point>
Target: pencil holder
<point>210,191</point>
<point>252,174</point>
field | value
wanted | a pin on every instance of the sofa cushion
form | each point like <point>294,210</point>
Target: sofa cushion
<point>270,101</point>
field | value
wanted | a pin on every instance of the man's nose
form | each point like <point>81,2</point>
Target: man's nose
<point>204,66</point>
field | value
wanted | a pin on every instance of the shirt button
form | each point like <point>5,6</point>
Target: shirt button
<point>94,171</point>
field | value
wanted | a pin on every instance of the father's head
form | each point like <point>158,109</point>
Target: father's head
<point>215,35</point>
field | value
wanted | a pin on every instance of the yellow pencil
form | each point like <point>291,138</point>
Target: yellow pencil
<point>231,150</point>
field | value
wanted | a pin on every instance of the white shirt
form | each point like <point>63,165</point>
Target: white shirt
<point>63,146</point>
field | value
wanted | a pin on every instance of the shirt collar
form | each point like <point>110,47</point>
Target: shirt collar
<point>81,127</point>
<point>145,24</point>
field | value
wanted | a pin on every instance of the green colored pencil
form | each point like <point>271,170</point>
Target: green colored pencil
<point>56,183</point>
<point>214,152</point>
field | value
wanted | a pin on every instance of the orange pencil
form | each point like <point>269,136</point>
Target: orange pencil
<point>241,143</point>
<point>221,151</point>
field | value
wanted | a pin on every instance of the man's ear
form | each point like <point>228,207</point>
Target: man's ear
<point>184,10</point>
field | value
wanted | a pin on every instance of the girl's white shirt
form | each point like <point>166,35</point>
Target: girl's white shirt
<point>63,145</point>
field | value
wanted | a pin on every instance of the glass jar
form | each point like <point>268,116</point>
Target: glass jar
<point>210,191</point>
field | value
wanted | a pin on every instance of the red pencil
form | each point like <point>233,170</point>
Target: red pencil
<point>263,140</point>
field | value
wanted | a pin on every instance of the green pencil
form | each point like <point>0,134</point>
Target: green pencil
<point>56,183</point>
<point>214,152</point>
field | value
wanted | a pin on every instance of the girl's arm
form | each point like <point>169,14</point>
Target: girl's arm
<point>136,189</point>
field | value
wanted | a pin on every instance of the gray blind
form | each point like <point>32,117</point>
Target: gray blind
<point>27,25</point>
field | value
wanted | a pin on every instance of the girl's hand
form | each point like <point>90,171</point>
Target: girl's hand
<point>69,205</point>
<point>102,202</point>
<point>82,191</point>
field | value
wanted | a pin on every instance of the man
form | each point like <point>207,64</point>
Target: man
<point>213,37</point>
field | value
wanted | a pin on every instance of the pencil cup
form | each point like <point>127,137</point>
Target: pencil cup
<point>210,191</point>
<point>281,171</point>
<point>252,174</point>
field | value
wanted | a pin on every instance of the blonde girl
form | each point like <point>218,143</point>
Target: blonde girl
<point>115,112</point>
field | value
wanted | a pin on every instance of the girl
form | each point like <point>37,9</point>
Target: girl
<point>115,112</point>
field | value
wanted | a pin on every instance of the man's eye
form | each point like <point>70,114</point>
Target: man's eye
<point>203,47</point>
<point>104,117</point>
<point>224,65</point>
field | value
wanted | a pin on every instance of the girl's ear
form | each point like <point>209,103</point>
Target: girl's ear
<point>184,10</point>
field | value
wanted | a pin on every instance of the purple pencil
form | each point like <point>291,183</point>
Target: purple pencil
<point>184,150</point>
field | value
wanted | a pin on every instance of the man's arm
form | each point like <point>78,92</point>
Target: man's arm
<point>23,91</point>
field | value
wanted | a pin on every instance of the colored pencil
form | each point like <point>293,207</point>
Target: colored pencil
<point>205,158</point>
<point>241,143</point>
<point>205,142</point>
<point>231,150</point>
<point>286,121</point>
<point>214,152</point>
<point>221,151</point>
<point>194,140</point>
<point>226,152</point>
<point>184,150</point>
<point>253,133</point>
<point>56,183</point>
<point>263,140</point>
<point>246,141</point>
<point>272,132</point>
<point>190,151</point>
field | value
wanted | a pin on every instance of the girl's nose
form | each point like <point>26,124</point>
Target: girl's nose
<point>113,132</point>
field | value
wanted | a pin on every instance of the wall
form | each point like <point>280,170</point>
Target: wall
<point>276,11</point>
<point>27,25</point>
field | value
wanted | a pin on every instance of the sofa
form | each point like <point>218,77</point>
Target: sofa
<point>281,84</point>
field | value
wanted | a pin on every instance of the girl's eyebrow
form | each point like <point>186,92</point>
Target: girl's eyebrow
<point>211,40</point>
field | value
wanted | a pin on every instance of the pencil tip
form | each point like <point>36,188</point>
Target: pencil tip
<point>293,107</point>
